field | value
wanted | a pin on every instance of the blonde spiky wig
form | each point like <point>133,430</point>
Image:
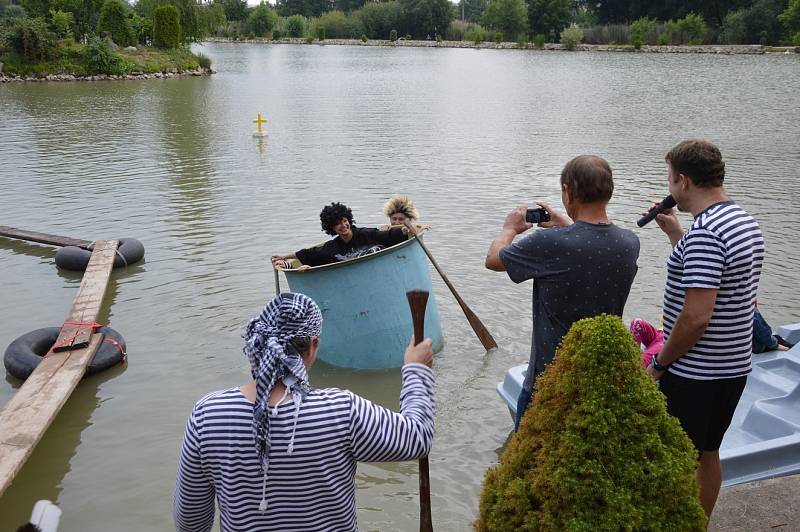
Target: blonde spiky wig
<point>401,204</point>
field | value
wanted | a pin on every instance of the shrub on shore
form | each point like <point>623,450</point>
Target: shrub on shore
<point>571,37</point>
<point>101,59</point>
<point>594,447</point>
<point>643,30</point>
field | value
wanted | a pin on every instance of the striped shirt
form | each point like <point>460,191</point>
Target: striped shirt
<point>313,489</point>
<point>723,250</point>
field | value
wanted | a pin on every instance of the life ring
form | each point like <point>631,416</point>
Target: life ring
<point>130,251</point>
<point>24,354</point>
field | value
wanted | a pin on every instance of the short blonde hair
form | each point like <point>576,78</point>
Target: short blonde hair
<point>402,204</point>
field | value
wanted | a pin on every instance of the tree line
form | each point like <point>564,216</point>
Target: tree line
<point>611,21</point>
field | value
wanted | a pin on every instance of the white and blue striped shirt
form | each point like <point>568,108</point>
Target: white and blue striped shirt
<point>313,489</point>
<point>723,250</point>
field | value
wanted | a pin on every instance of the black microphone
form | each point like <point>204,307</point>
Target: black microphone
<point>668,203</point>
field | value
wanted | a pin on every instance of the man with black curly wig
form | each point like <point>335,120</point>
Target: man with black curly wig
<point>350,242</point>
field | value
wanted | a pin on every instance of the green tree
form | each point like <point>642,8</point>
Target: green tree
<point>210,17</point>
<point>31,38</point>
<point>85,14</point>
<point>693,26</point>
<point>594,447</point>
<point>508,16</point>
<point>643,30</point>
<point>734,27</point>
<point>549,17</point>
<point>114,21</point>
<point>426,18</point>
<point>790,19</point>
<point>189,27</point>
<point>296,25</point>
<point>36,8</point>
<point>166,27</point>
<point>262,19</point>
<point>347,5</point>
<point>472,10</point>
<point>142,27</point>
<point>380,18</point>
<point>62,23</point>
<point>234,9</point>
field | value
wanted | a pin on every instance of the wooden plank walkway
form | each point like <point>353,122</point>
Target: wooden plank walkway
<point>27,415</point>
<point>42,238</point>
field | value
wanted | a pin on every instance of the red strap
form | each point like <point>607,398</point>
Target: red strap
<point>119,346</point>
<point>78,326</point>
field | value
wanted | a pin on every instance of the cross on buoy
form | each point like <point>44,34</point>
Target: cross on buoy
<point>258,121</point>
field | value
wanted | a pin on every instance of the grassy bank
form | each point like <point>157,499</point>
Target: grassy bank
<point>97,57</point>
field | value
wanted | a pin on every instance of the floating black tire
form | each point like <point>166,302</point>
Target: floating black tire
<point>130,251</point>
<point>24,354</point>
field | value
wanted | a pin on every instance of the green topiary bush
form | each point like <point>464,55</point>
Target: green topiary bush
<point>595,447</point>
<point>393,35</point>
<point>167,27</point>
<point>114,21</point>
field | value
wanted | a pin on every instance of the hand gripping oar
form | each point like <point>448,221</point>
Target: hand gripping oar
<point>480,329</point>
<point>418,300</point>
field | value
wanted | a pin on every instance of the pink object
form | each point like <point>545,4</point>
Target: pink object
<point>648,336</point>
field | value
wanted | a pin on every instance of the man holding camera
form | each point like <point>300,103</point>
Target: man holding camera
<point>582,265</point>
<point>709,300</point>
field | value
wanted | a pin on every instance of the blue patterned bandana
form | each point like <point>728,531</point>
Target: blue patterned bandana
<point>273,359</point>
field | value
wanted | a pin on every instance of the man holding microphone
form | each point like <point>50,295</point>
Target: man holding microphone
<point>709,299</point>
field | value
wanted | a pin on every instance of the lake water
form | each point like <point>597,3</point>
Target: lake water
<point>468,134</point>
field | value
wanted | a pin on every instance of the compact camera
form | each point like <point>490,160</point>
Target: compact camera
<point>535,216</point>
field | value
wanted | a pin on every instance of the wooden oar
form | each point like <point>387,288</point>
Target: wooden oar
<point>277,281</point>
<point>480,329</point>
<point>418,300</point>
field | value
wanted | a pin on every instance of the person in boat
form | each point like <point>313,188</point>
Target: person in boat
<point>277,454</point>
<point>651,339</point>
<point>709,301</point>
<point>350,242</point>
<point>582,265</point>
<point>399,210</point>
<point>764,339</point>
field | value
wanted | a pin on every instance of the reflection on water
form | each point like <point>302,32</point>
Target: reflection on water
<point>466,133</point>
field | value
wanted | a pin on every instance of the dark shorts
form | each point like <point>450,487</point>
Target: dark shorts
<point>704,407</point>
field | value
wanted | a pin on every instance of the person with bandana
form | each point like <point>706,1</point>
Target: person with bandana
<point>279,455</point>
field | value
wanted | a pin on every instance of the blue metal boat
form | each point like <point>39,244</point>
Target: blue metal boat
<point>763,440</point>
<point>367,321</point>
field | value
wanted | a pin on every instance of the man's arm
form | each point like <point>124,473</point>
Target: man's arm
<point>515,224</point>
<point>692,322</point>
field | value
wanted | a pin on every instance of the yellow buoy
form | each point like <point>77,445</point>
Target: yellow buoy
<point>258,121</point>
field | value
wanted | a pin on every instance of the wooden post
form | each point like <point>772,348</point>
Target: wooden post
<point>33,408</point>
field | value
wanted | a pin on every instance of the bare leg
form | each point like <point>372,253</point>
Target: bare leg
<point>709,476</point>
